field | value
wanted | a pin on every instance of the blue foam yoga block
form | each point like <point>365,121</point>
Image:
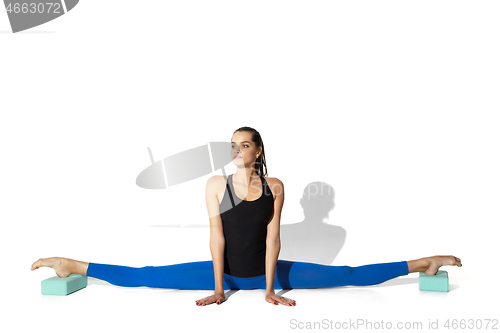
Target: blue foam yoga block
<point>63,286</point>
<point>438,282</point>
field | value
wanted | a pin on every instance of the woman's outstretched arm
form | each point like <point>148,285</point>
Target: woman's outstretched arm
<point>217,241</point>
<point>273,243</point>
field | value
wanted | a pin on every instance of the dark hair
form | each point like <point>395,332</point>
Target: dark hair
<point>260,163</point>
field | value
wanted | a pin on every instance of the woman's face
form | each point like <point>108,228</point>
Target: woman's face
<point>243,150</point>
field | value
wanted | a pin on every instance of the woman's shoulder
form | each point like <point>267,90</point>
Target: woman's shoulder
<point>275,184</point>
<point>273,180</point>
<point>216,187</point>
<point>215,182</point>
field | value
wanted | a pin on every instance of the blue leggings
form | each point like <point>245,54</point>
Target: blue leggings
<point>288,275</point>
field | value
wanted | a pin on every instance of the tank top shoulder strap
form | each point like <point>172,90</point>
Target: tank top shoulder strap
<point>228,188</point>
<point>265,187</point>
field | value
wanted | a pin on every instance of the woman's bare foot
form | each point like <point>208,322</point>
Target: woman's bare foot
<point>431,265</point>
<point>62,266</point>
<point>437,261</point>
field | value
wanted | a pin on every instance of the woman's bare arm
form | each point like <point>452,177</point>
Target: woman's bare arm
<point>217,241</point>
<point>273,242</point>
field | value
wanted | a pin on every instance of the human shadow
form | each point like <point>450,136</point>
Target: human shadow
<point>313,240</point>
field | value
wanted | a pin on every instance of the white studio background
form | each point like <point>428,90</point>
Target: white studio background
<point>392,103</point>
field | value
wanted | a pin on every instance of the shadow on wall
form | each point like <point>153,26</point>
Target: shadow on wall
<point>313,240</point>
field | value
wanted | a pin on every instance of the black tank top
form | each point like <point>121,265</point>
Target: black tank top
<point>244,225</point>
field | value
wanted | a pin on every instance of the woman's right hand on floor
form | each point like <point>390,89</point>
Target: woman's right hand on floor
<point>215,298</point>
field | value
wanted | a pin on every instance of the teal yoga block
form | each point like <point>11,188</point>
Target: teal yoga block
<point>63,286</point>
<point>438,282</point>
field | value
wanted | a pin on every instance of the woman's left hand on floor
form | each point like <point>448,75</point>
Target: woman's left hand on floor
<point>275,299</point>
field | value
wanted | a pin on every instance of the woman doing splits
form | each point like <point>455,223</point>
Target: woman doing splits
<point>244,211</point>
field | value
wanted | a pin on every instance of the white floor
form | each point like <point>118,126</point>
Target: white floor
<point>101,306</point>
